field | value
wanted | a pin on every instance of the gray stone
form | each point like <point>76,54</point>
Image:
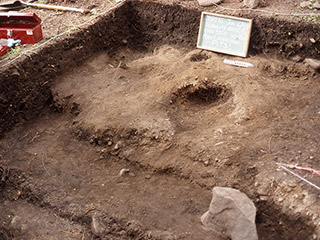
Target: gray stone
<point>305,4</point>
<point>314,63</point>
<point>208,3</point>
<point>250,3</point>
<point>232,214</point>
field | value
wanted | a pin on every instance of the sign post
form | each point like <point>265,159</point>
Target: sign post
<point>224,34</point>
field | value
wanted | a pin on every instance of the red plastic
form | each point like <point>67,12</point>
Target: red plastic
<point>3,50</point>
<point>23,26</point>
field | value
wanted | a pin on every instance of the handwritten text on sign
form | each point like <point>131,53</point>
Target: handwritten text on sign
<point>224,34</point>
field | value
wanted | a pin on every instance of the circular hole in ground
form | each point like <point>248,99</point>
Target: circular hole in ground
<point>205,95</point>
<point>198,57</point>
<point>201,93</point>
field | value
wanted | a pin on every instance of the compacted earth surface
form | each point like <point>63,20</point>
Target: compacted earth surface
<point>116,127</point>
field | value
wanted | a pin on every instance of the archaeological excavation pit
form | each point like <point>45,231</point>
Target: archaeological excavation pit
<point>127,124</point>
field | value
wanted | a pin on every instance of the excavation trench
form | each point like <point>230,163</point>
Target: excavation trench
<point>134,87</point>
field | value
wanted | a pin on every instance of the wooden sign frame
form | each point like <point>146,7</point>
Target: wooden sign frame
<point>244,45</point>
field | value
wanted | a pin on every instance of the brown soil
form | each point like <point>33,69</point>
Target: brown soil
<point>131,92</point>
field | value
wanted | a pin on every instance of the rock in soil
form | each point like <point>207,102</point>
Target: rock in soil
<point>98,227</point>
<point>316,5</point>
<point>297,58</point>
<point>250,3</point>
<point>207,3</point>
<point>124,172</point>
<point>305,4</point>
<point>101,224</point>
<point>231,213</point>
<point>314,63</point>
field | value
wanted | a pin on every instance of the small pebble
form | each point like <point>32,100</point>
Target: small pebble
<point>263,198</point>
<point>103,150</point>
<point>124,171</point>
<point>305,4</point>
<point>292,184</point>
<point>148,176</point>
<point>297,58</point>
<point>109,143</point>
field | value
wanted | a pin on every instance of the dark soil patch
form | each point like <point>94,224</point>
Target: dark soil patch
<point>292,228</point>
<point>201,93</point>
<point>198,57</point>
<point>4,235</point>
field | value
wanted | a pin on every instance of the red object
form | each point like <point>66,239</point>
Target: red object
<point>3,50</point>
<point>23,26</point>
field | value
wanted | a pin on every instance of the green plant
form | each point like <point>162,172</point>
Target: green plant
<point>13,52</point>
<point>304,17</point>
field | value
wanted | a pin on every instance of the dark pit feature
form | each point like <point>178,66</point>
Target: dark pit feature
<point>201,94</point>
<point>206,95</point>
<point>198,57</point>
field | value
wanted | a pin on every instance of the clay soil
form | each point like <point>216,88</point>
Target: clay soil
<point>122,123</point>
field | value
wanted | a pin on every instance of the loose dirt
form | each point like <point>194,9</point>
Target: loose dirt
<point>141,97</point>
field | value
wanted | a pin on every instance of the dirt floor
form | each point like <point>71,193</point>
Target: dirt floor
<point>123,124</point>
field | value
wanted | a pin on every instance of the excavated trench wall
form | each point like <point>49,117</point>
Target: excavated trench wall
<point>140,25</point>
